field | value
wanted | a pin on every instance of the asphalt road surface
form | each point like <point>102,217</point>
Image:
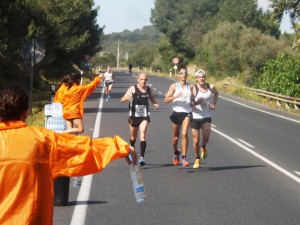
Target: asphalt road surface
<point>251,175</point>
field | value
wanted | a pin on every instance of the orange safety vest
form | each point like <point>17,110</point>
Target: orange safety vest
<point>32,157</point>
<point>73,98</point>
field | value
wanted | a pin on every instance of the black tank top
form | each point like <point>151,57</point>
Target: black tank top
<point>139,105</point>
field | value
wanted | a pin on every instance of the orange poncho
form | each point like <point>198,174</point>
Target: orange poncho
<point>31,157</point>
<point>72,99</point>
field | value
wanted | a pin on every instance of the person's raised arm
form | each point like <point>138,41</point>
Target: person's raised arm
<point>169,96</point>
<point>127,96</point>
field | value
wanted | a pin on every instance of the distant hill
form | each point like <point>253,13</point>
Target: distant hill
<point>147,33</point>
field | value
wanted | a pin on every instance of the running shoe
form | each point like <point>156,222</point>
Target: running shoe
<point>106,99</point>
<point>176,158</point>
<point>142,161</point>
<point>203,153</point>
<point>185,162</point>
<point>197,164</point>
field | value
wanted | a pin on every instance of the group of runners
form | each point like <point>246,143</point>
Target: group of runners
<point>192,105</point>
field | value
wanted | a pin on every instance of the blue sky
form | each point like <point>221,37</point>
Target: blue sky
<point>118,15</point>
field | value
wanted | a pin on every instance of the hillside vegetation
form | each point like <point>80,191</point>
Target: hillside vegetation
<point>227,38</point>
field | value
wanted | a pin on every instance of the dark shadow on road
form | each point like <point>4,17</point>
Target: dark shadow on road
<point>156,166</point>
<point>220,168</point>
<point>73,203</point>
<point>109,110</point>
<point>190,168</point>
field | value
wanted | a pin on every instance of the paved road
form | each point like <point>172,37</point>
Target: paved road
<point>251,175</point>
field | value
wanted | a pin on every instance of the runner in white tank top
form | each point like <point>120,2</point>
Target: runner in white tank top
<point>108,81</point>
<point>182,103</point>
<point>179,94</point>
<point>204,99</point>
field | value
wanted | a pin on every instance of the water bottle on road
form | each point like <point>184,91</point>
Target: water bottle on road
<point>76,181</point>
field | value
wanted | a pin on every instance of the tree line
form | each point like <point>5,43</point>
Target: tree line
<point>67,29</point>
<point>225,37</point>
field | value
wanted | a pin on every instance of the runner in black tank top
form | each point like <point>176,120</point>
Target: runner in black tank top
<point>139,116</point>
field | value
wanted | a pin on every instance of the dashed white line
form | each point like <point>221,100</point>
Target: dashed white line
<point>246,143</point>
<point>297,172</point>
<point>250,107</point>
<point>282,170</point>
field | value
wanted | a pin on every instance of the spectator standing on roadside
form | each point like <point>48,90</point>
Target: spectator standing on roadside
<point>108,81</point>
<point>72,95</point>
<point>130,68</point>
<point>204,99</point>
<point>139,115</point>
<point>179,94</point>
<point>32,157</point>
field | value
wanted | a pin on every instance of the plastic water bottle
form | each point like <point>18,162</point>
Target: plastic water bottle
<point>76,181</point>
<point>47,110</point>
<point>137,183</point>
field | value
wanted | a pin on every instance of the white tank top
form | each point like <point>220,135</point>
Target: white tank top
<point>107,76</point>
<point>183,103</point>
<point>202,110</point>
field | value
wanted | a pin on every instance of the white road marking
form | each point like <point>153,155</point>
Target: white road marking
<point>297,172</point>
<point>79,214</point>
<point>250,107</point>
<point>284,171</point>
<point>246,143</point>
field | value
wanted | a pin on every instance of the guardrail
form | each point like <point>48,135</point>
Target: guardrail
<point>281,100</point>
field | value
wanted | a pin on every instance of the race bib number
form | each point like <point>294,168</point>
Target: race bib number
<point>140,111</point>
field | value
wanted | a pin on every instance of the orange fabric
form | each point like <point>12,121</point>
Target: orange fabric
<point>72,99</point>
<point>31,157</point>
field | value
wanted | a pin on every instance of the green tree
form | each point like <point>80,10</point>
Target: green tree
<point>173,23</point>
<point>143,55</point>
<point>282,76</point>
<point>247,13</point>
<point>292,8</point>
<point>68,30</point>
<point>233,49</point>
<point>188,21</point>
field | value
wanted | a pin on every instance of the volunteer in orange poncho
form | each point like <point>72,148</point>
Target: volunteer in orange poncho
<point>31,157</point>
<point>72,95</point>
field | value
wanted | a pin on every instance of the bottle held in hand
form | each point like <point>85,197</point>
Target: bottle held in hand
<point>137,183</point>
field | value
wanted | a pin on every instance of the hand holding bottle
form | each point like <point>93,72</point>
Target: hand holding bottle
<point>131,158</point>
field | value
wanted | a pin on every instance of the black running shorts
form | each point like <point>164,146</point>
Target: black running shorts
<point>136,121</point>
<point>178,117</point>
<point>197,123</point>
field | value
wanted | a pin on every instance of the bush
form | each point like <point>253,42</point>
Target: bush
<point>282,76</point>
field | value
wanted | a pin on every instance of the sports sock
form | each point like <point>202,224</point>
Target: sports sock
<point>143,148</point>
<point>132,142</point>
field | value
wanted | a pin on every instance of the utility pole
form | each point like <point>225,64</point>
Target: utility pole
<point>118,55</point>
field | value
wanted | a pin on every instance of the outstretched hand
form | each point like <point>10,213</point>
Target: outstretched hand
<point>133,155</point>
<point>156,106</point>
